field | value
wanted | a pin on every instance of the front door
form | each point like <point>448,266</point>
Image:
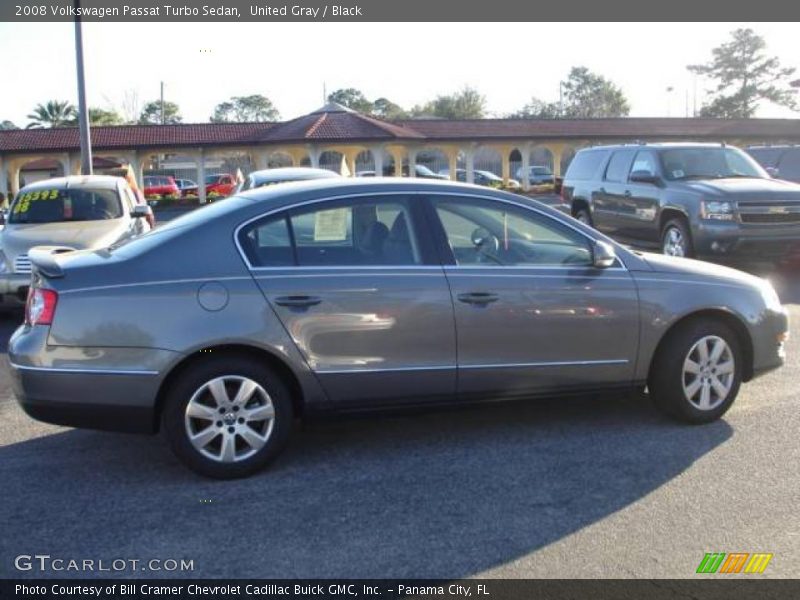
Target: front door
<point>357,286</point>
<point>532,312</point>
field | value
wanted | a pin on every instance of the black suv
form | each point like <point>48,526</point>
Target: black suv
<point>782,162</point>
<point>705,200</point>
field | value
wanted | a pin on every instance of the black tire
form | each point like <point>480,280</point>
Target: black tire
<point>583,215</point>
<point>193,379</point>
<point>667,377</point>
<point>682,228</point>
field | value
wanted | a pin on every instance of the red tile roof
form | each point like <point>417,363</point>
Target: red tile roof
<point>336,124</point>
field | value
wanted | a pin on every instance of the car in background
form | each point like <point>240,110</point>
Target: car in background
<point>222,184</point>
<point>126,172</point>
<point>687,199</point>
<point>265,177</point>
<point>482,177</point>
<point>537,175</point>
<point>335,295</point>
<point>160,185</point>
<point>420,171</point>
<point>67,213</point>
<point>782,162</point>
<point>187,187</point>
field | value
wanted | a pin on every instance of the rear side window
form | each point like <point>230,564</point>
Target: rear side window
<point>766,157</point>
<point>619,166</point>
<point>586,164</point>
<point>349,233</point>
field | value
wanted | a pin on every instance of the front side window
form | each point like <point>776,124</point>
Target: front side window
<point>349,233</point>
<point>487,233</point>
<point>54,205</point>
<point>645,163</point>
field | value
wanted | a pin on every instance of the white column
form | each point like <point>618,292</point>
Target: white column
<point>526,163</point>
<point>377,157</point>
<point>15,179</point>
<point>200,159</point>
<point>313,156</point>
<point>66,164</point>
<point>137,164</point>
<point>412,162</point>
<point>469,157</point>
<point>261,160</point>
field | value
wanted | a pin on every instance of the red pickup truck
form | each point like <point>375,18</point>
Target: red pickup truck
<point>222,184</point>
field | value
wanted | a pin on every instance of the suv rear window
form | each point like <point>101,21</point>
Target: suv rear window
<point>586,164</point>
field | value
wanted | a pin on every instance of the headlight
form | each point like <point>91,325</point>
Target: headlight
<point>716,210</point>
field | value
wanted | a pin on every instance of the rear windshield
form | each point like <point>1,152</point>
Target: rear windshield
<point>586,164</point>
<point>56,205</point>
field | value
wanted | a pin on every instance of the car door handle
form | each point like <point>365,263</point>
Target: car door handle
<point>478,298</point>
<point>298,301</point>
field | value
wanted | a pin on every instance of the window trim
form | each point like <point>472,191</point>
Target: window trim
<point>627,173</point>
<point>424,221</point>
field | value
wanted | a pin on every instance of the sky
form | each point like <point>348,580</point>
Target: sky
<point>204,64</point>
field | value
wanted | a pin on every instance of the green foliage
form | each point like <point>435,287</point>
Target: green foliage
<point>253,108</point>
<point>100,116</point>
<point>53,113</point>
<point>467,103</point>
<point>384,108</point>
<point>587,95</point>
<point>351,98</point>
<point>537,109</point>
<point>151,113</point>
<point>744,76</point>
<point>7,125</point>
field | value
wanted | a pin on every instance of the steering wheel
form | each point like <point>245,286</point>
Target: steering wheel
<point>487,245</point>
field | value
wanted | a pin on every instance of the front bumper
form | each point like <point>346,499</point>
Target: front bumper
<point>721,239</point>
<point>14,289</point>
<point>769,349</point>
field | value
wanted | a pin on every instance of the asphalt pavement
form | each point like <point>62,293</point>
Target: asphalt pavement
<point>579,487</point>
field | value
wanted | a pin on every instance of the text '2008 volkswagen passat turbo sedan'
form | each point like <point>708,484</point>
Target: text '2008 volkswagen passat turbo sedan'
<point>343,294</point>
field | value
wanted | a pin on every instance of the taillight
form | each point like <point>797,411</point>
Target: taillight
<point>41,306</point>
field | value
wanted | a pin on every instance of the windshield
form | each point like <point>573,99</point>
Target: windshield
<point>541,171</point>
<point>212,178</point>
<point>53,205</point>
<point>708,163</point>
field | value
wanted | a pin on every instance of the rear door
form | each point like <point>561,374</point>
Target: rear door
<point>611,196</point>
<point>638,208</point>
<point>358,287</point>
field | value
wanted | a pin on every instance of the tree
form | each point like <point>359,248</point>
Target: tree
<point>465,104</point>
<point>101,116</point>
<point>151,113</point>
<point>537,109</point>
<point>351,98</point>
<point>255,107</point>
<point>745,76</point>
<point>384,108</point>
<point>54,113</point>
<point>7,125</point>
<point>587,95</point>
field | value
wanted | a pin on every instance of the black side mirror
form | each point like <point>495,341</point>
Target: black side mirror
<point>643,177</point>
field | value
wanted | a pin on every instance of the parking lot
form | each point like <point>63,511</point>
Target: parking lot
<point>580,487</point>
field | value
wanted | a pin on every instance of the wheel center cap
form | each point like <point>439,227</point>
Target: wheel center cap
<point>229,419</point>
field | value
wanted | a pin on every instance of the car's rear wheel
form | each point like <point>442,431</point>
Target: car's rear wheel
<point>584,216</point>
<point>227,417</point>
<point>676,239</point>
<point>697,371</point>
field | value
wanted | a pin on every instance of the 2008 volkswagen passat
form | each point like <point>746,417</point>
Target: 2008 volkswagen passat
<point>225,325</point>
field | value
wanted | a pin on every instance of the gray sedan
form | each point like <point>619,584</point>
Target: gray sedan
<point>340,295</point>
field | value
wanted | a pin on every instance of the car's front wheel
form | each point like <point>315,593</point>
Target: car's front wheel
<point>697,371</point>
<point>584,216</point>
<point>676,239</point>
<point>227,417</point>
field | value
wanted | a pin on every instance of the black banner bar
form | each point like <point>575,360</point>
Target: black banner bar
<point>722,588</point>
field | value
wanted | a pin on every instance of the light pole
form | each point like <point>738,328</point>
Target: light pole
<point>83,111</point>
<point>669,100</point>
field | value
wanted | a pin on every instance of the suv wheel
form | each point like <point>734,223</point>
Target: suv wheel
<point>697,371</point>
<point>228,417</point>
<point>584,216</point>
<point>676,240</point>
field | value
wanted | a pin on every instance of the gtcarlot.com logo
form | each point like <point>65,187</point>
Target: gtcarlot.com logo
<point>46,563</point>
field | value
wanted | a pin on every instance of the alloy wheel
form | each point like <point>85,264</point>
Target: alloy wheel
<point>708,373</point>
<point>229,418</point>
<point>674,242</point>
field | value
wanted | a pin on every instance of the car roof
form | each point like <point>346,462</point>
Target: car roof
<point>77,181</point>
<point>292,173</point>
<point>657,145</point>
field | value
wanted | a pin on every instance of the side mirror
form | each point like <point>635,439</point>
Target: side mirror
<point>604,255</point>
<point>773,172</point>
<point>141,211</point>
<point>643,177</point>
